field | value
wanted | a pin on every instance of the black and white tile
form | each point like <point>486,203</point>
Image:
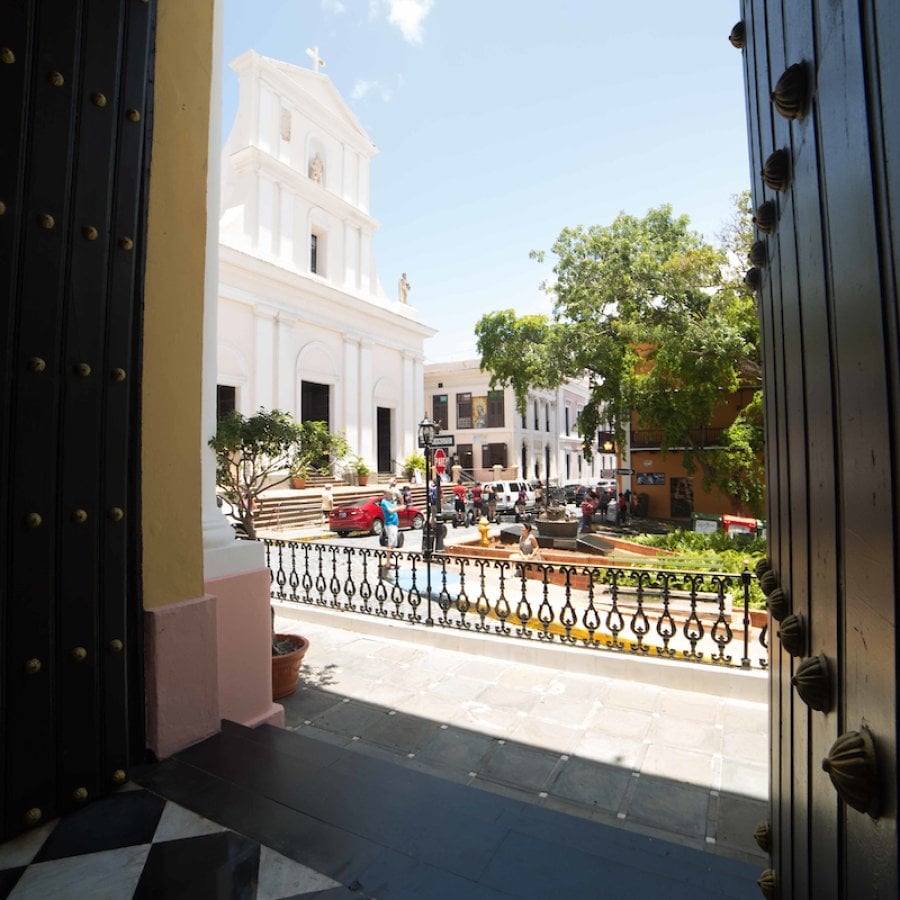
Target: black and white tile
<point>136,844</point>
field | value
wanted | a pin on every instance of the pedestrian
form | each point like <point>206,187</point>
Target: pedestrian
<point>459,505</point>
<point>327,503</point>
<point>603,504</point>
<point>391,527</point>
<point>521,502</point>
<point>489,499</point>
<point>477,500</point>
<point>588,507</point>
<point>406,494</point>
<point>395,491</point>
<point>620,510</point>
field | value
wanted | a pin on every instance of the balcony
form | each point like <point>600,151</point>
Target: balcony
<point>652,439</point>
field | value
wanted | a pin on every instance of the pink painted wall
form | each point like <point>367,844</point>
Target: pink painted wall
<point>244,641</point>
<point>182,688</point>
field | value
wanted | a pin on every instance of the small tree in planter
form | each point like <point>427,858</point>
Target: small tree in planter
<point>317,447</point>
<point>415,462</point>
<point>249,453</point>
<point>361,469</point>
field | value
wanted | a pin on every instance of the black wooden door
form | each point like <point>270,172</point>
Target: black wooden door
<point>823,85</point>
<point>74,107</point>
<point>384,431</point>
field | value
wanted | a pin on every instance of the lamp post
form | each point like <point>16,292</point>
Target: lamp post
<point>427,430</point>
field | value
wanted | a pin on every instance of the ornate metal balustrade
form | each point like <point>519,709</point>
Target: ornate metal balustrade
<point>700,617</point>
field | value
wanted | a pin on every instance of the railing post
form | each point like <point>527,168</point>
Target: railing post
<point>745,579</point>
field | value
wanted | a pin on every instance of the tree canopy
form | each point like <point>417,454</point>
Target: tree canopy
<point>656,319</point>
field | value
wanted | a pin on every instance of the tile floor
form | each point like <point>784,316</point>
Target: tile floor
<point>660,791</point>
<point>138,844</point>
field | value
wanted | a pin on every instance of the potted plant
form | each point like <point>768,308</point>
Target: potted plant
<point>413,467</point>
<point>314,451</point>
<point>299,473</point>
<point>288,651</point>
<point>361,469</point>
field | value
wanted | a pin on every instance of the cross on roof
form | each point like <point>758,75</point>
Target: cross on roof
<point>318,62</point>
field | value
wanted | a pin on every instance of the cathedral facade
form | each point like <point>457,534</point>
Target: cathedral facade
<point>304,324</point>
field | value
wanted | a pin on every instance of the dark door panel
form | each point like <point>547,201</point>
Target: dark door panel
<point>75,102</point>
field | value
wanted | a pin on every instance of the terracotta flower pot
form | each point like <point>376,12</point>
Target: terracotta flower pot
<point>362,480</point>
<point>298,482</point>
<point>286,667</point>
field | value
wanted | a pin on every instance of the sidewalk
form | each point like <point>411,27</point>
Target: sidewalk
<point>684,766</point>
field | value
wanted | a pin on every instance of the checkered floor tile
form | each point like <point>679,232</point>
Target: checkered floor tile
<point>136,844</point>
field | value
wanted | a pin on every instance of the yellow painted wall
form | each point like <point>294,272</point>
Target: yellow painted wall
<point>173,298</point>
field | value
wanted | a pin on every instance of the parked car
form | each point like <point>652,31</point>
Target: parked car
<point>574,491</point>
<point>369,517</point>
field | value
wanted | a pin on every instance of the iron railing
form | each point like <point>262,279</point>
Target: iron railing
<point>668,614</point>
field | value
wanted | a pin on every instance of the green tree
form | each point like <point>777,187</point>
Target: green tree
<point>654,317</point>
<point>316,447</point>
<point>253,453</point>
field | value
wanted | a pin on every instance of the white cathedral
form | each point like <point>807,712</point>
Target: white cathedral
<point>303,322</point>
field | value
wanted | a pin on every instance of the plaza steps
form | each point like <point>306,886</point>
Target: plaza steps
<point>393,832</point>
<point>286,509</point>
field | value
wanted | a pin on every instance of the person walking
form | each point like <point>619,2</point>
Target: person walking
<point>327,503</point>
<point>477,500</point>
<point>391,527</point>
<point>588,507</point>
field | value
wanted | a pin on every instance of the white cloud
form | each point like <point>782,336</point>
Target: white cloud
<point>334,6</point>
<point>363,88</point>
<point>408,16</point>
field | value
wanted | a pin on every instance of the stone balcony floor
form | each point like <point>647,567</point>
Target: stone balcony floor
<point>667,785</point>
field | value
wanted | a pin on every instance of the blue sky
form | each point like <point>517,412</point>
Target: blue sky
<point>499,122</point>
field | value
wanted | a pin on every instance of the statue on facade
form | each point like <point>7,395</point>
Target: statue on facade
<point>317,169</point>
<point>403,287</point>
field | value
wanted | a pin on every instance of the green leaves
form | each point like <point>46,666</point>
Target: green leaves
<point>654,317</point>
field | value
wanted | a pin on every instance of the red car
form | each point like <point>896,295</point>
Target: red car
<point>369,517</point>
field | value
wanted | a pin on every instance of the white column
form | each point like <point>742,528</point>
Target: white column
<point>419,409</point>
<point>406,412</point>
<point>366,407</point>
<point>222,554</point>
<point>263,363</point>
<point>286,391</point>
<point>351,390</point>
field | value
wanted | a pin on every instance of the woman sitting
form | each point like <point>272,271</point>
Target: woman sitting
<point>528,545</point>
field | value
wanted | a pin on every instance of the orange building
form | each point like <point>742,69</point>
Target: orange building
<point>672,491</point>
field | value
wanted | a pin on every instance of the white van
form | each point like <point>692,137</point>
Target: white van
<point>508,493</point>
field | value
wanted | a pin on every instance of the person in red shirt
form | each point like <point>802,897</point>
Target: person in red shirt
<point>476,500</point>
<point>459,504</point>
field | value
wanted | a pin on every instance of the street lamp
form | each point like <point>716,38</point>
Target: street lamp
<point>427,430</point>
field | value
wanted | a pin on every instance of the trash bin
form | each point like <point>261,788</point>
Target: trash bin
<point>706,523</point>
<point>735,525</point>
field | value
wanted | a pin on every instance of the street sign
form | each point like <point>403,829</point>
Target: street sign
<point>440,461</point>
<point>624,471</point>
<point>440,440</point>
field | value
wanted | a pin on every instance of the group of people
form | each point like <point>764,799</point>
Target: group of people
<point>598,501</point>
<point>484,502</point>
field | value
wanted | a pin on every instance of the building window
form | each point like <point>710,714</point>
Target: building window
<point>536,417</point>
<point>568,424</point>
<point>493,455</point>
<point>313,253</point>
<point>524,421</point>
<point>465,457</point>
<point>226,400</point>
<point>285,124</point>
<point>464,410</point>
<point>439,410</point>
<point>495,413</point>
<point>546,417</point>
